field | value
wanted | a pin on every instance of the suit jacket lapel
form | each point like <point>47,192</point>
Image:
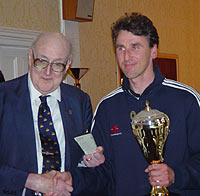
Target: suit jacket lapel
<point>25,126</point>
<point>66,118</point>
<point>72,150</point>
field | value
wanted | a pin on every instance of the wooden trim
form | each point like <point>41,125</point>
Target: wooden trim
<point>17,37</point>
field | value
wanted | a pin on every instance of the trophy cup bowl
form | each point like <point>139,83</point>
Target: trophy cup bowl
<point>150,128</point>
<point>77,74</point>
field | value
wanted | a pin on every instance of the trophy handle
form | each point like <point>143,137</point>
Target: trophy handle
<point>132,114</point>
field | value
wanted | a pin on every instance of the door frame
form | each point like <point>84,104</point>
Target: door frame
<point>173,57</point>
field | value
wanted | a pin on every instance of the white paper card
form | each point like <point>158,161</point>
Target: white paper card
<point>87,143</point>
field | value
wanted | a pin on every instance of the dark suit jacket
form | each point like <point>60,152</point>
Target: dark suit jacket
<point>17,139</point>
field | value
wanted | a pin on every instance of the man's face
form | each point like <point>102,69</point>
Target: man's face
<point>46,80</point>
<point>134,54</point>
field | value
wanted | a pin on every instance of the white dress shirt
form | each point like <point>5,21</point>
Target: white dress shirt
<point>52,101</point>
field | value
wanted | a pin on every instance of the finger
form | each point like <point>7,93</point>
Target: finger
<point>158,166</point>
<point>51,194</point>
<point>52,173</point>
<point>66,194</point>
<point>99,157</point>
<point>161,182</point>
<point>91,162</point>
<point>88,163</point>
<point>63,189</point>
<point>54,181</point>
<point>88,157</point>
<point>61,175</point>
<point>153,167</point>
<point>55,178</point>
<point>67,191</point>
<point>95,159</point>
<point>65,176</point>
<point>69,188</point>
<point>54,194</point>
<point>157,169</point>
<point>68,178</point>
<point>99,149</point>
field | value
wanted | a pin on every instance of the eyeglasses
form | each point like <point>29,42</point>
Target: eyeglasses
<point>42,64</point>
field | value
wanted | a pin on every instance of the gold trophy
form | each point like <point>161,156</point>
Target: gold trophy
<point>151,130</point>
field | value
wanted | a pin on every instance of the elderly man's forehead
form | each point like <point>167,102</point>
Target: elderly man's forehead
<point>51,38</point>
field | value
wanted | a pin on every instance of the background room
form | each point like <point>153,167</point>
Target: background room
<point>177,23</point>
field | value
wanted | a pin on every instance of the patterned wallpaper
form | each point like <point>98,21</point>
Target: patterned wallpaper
<point>39,15</point>
<point>178,25</point>
<point>177,22</point>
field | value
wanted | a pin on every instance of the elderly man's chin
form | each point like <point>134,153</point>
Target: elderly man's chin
<point>46,88</point>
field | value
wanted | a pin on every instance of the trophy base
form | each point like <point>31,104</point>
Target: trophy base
<point>170,194</point>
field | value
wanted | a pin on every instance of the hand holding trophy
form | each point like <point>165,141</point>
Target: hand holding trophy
<point>151,130</point>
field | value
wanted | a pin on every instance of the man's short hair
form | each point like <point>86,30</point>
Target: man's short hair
<point>137,24</point>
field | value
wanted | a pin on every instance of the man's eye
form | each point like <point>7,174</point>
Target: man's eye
<point>120,49</point>
<point>58,64</point>
<point>42,60</point>
<point>134,47</point>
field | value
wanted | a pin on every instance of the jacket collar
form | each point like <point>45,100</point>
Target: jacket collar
<point>154,85</point>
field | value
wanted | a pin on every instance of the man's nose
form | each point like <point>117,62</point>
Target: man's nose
<point>48,69</point>
<point>127,54</point>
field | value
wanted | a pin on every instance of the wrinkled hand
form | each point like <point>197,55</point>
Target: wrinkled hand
<point>95,159</point>
<point>160,175</point>
<point>64,176</point>
<point>40,182</point>
<point>57,181</point>
<point>44,183</point>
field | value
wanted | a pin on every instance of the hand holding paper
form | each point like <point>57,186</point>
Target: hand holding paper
<point>93,155</point>
<point>87,143</point>
<point>95,159</point>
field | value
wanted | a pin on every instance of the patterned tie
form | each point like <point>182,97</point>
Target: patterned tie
<point>49,142</point>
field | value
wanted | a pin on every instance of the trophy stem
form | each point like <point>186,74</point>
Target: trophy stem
<point>159,191</point>
<point>155,162</point>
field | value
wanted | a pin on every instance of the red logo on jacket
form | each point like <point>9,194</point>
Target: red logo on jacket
<point>114,130</point>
